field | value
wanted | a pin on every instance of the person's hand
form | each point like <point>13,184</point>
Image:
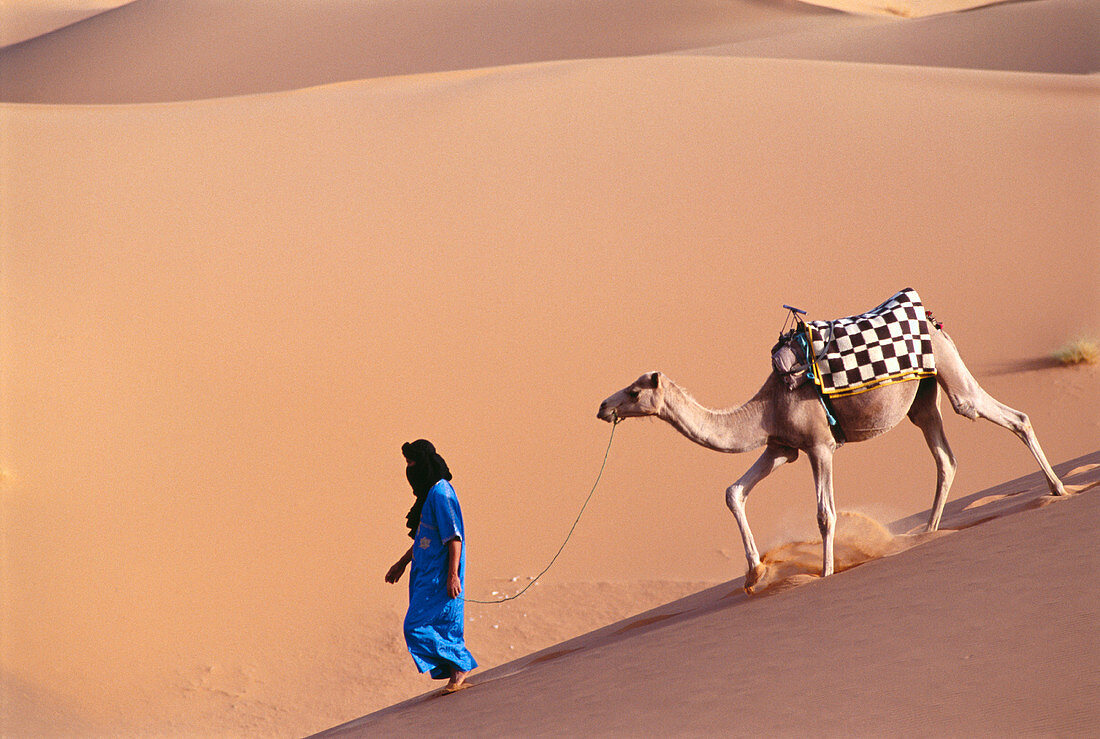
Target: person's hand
<point>454,585</point>
<point>396,572</point>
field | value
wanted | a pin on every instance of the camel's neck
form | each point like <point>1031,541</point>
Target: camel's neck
<point>734,430</point>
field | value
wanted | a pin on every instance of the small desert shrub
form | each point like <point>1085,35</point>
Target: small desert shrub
<point>1079,351</point>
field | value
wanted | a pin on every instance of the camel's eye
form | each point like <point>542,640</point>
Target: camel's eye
<point>633,394</point>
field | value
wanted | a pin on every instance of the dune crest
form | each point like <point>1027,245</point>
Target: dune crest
<point>22,21</point>
<point>902,8</point>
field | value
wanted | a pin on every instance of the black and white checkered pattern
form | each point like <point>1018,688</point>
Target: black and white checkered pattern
<point>891,343</point>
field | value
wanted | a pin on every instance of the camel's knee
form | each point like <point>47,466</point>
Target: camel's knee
<point>826,521</point>
<point>1015,421</point>
<point>735,498</point>
<point>950,467</point>
<point>1020,423</point>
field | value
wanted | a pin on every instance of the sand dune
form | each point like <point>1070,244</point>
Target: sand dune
<point>901,8</point>
<point>222,317</point>
<point>159,50</point>
<point>965,634</point>
<point>1003,37</point>
<point>155,50</point>
<point>21,20</point>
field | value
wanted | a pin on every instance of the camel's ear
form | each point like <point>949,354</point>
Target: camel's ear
<point>655,380</point>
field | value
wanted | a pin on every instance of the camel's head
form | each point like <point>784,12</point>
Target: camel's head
<point>643,397</point>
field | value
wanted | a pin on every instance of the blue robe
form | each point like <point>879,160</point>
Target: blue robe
<point>434,623</point>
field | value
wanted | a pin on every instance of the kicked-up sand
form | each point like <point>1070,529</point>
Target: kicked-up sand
<point>249,249</point>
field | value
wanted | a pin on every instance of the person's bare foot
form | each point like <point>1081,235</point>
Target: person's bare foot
<point>457,682</point>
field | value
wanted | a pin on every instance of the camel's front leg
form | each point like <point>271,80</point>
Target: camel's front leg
<point>821,459</point>
<point>772,458</point>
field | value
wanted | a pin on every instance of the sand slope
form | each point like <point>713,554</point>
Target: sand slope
<point>157,50</point>
<point>220,319</point>
<point>21,20</point>
<point>1041,36</point>
<point>985,631</point>
<point>900,8</point>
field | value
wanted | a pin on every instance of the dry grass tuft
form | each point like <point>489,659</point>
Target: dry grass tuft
<point>1079,351</point>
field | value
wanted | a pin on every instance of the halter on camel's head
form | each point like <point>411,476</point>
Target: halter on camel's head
<point>643,397</point>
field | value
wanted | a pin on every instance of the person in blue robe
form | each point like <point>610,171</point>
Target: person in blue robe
<point>434,623</point>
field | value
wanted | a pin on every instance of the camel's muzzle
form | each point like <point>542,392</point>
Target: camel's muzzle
<point>607,414</point>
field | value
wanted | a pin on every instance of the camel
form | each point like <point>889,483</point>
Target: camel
<point>785,421</point>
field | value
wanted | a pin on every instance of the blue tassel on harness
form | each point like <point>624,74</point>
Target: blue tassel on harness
<point>804,345</point>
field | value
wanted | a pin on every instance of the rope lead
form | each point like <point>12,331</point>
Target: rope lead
<point>607,452</point>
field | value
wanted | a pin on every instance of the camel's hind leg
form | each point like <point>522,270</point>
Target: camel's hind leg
<point>925,413</point>
<point>969,399</point>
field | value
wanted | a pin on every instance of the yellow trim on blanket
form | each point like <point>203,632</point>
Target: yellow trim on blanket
<point>875,384</point>
<point>812,359</point>
<point>905,376</point>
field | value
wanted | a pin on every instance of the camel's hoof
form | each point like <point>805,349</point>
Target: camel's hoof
<point>753,576</point>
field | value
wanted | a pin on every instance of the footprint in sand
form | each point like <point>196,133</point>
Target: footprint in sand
<point>991,499</point>
<point>1045,499</point>
<point>552,655</point>
<point>1080,470</point>
<point>1074,489</point>
<point>645,622</point>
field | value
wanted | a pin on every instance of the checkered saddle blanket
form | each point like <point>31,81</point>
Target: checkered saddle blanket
<point>892,343</point>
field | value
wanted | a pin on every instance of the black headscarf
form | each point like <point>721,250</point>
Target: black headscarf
<point>427,469</point>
